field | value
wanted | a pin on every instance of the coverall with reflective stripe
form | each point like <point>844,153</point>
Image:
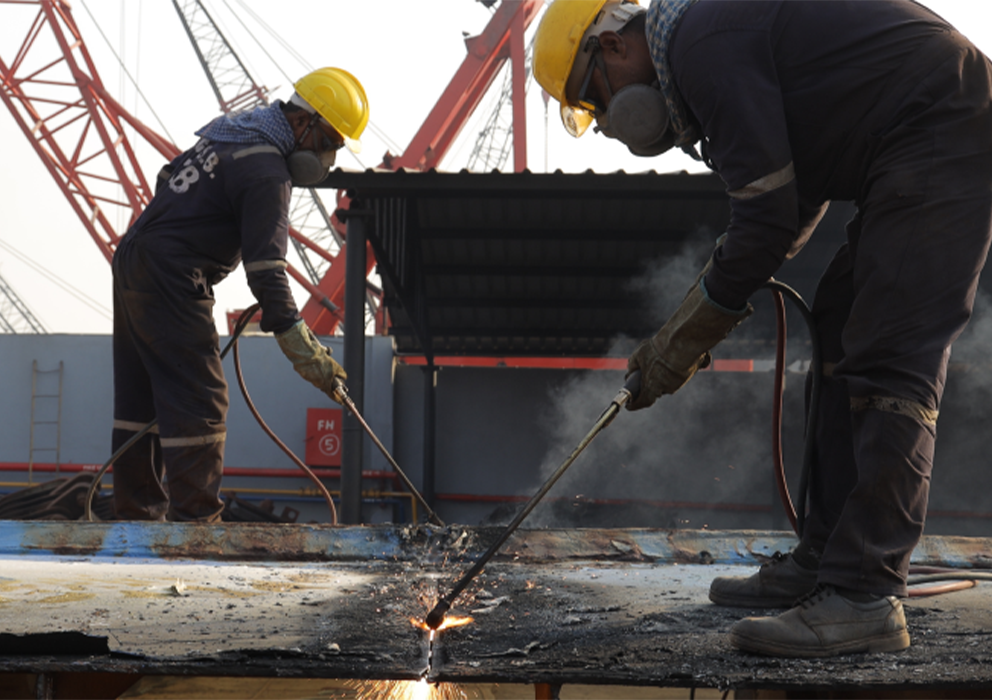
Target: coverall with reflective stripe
<point>220,203</point>
<point>882,103</point>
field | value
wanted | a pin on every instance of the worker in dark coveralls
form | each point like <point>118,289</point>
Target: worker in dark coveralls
<point>224,201</point>
<point>794,104</point>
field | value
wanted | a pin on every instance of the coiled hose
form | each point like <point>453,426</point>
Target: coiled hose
<point>955,579</point>
<point>239,328</point>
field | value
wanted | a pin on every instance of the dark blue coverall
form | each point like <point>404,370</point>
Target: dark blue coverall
<point>882,103</point>
<point>221,204</point>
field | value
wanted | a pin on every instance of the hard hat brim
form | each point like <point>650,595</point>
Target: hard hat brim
<point>353,145</point>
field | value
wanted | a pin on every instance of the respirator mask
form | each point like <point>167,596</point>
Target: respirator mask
<point>637,114</point>
<point>308,168</point>
<point>637,117</point>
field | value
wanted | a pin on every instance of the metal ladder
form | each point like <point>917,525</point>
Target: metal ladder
<point>41,403</point>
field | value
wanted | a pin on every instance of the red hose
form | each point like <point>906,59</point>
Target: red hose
<point>778,463</point>
<point>271,434</point>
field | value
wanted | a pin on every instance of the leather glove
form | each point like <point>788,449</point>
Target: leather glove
<point>669,359</point>
<point>311,360</point>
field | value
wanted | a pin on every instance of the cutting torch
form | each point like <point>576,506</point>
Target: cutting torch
<point>626,394</point>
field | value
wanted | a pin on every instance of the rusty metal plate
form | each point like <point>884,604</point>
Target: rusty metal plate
<point>618,607</point>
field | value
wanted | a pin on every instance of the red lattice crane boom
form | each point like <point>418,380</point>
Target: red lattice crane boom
<point>501,40</point>
<point>55,94</point>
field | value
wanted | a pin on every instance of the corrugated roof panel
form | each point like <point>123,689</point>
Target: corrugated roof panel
<point>526,263</point>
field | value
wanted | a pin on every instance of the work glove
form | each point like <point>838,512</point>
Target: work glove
<point>670,358</point>
<point>311,360</point>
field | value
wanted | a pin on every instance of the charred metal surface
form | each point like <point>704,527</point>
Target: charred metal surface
<point>621,607</point>
<point>53,643</point>
<point>644,624</point>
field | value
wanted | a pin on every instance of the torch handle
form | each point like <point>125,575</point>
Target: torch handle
<point>342,392</point>
<point>628,392</point>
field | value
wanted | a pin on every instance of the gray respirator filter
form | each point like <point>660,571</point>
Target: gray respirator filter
<point>638,117</point>
<point>307,168</point>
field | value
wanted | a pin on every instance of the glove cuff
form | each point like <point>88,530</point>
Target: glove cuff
<point>298,343</point>
<point>694,329</point>
<point>744,313</point>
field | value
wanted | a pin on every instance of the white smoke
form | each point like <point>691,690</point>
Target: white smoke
<point>675,451</point>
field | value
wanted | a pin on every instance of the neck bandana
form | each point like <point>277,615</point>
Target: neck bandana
<point>260,125</point>
<point>663,16</point>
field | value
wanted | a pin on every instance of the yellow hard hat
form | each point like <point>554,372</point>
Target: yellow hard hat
<point>560,55</point>
<point>339,98</point>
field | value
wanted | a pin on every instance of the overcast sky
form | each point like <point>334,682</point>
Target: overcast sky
<point>404,52</point>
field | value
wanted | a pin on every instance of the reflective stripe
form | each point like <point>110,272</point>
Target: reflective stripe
<point>260,265</point>
<point>133,426</point>
<point>253,150</point>
<point>191,441</point>
<point>766,184</point>
<point>903,407</point>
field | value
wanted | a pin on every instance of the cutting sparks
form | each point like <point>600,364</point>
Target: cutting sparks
<point>408,690</point>
<point>449,622</point>
<point>416,690</point>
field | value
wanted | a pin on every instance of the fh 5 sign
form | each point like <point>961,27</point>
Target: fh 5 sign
<point>323,437</point>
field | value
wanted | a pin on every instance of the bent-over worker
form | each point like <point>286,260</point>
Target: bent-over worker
<point>795,104</point>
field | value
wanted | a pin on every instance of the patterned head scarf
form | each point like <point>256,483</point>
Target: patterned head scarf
<point>663,16</point>
<point>260,125</point>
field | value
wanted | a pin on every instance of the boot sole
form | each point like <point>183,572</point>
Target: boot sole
<point>893,641</point>
<point>744,602</point>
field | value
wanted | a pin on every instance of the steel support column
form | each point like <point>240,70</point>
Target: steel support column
<point>353,438</point>
<point>428,489</point>
<point>518,66</point>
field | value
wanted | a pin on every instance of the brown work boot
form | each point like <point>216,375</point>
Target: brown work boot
<point>777,584</point>
<point>825,623</point>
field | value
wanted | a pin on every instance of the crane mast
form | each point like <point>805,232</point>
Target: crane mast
<point>53,90</point>
<point>15,316</point>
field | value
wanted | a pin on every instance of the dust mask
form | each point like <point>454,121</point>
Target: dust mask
<point>307,168</point>
<point>638,117</point>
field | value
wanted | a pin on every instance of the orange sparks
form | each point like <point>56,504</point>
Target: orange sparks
<point>452,621</point>
<point>407,690</point>
<point>449,621</point>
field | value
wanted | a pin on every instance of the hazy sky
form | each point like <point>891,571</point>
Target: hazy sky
<point>404,53</point>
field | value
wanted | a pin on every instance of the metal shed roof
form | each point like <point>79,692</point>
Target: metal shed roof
<point>524,263</point>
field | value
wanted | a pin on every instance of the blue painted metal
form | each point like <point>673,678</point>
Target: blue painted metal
<point>276,542</point>
<point>242,541</point>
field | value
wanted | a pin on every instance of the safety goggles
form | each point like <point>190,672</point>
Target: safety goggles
<point>593,106</point>
<point>326,142</point>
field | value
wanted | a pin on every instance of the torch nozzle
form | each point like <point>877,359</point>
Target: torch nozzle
<point>436,616</point>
